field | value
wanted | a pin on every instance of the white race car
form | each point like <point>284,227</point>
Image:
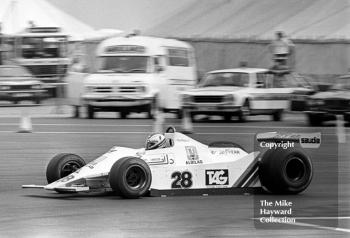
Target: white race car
<point>183,166</point>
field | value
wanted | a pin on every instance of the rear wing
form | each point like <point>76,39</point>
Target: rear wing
<point>306,140</point>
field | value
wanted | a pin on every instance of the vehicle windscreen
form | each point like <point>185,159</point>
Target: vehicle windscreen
<point>123,64</point>
<point>44,47</point>
<point>235,79</point>
<point>13,73</point>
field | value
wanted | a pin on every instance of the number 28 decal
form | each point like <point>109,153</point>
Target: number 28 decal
<point>181,179</point>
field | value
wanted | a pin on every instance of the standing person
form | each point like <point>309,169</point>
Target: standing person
<point>281,48</point>
<point>1,44</point>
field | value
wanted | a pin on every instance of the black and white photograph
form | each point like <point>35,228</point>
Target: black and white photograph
<point>163,118</point>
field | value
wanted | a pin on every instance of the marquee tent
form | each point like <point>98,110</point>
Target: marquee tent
<point>15,16</point>
<point>258,19</point>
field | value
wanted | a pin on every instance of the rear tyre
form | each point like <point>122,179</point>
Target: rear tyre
<point>277,115</point>
<point>90,112</point>
<point>130,177</point>
<point>285,171</point>
<point>62,165</point>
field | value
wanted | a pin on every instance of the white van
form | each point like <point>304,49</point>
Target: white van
<point>139,74</point>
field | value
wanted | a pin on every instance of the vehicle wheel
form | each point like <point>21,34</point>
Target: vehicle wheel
<point>90,112</point>
<point>130,177</point>
<point>76,112</point>
<point>37,101</point>
<point>314,120</point>
<point>123,115</point>
<point>277,115</point>
<point>227,117</point>
<point>62,165</point>
<point>285,171</point>
<point>152,109</point>
<point>179,114</point>
<point>244,112</point>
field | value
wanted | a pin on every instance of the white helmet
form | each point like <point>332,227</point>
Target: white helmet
<point>155,141</point>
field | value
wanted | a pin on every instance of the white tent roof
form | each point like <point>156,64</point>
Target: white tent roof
<point>15,16</point>
<point>257,19</point>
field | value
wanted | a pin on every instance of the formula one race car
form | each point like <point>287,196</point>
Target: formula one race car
<point>182,166</point>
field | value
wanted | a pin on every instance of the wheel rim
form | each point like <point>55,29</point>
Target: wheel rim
<point>135,177</point>
<point>295,169</point>
<point>69,167</point>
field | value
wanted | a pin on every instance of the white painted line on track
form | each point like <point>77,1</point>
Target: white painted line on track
<point>321,218</point>
<point>320,227</point>
<point>317,226</point>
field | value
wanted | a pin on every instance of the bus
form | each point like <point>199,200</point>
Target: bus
<point>44,52</point>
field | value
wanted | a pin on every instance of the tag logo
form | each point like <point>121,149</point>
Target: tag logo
<point>216,177</point>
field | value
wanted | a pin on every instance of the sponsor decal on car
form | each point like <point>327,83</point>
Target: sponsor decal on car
<point>158,159</point>
<point>181,179</point>
<point>225,151</point>
<point>216,177</point>
<point>92,164</point>
<point>192,155</point>
<point>67,178</point>
<point>310,140</point>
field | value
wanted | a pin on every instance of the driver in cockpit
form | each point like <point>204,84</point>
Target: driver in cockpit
<point>156,141</point>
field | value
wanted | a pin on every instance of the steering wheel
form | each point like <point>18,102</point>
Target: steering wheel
<point>170,129</point>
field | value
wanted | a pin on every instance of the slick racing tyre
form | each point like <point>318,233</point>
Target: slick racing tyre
<point>130,177</point>
<point>285,171</point>
<point>62,165</point>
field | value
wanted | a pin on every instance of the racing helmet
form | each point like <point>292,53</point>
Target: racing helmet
<point>155,141</point>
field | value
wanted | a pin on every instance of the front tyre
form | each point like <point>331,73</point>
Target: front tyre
<point>285,171</point>
<point>130,177</point>
<point>63,165</point>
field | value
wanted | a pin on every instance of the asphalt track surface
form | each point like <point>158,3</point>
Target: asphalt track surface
<point>39,213</point>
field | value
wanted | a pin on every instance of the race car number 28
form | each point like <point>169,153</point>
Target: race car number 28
<point>181,179</point>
